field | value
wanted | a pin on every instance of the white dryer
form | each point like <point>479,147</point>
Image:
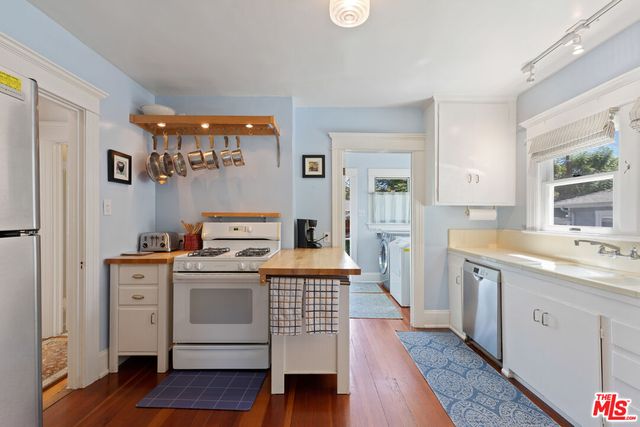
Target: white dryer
<point>400,271</point>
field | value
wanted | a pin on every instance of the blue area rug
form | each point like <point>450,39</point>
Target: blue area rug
<point>471,391</point>
<point>227,390</point>
<point>365,287</point>
<point>372,306</point>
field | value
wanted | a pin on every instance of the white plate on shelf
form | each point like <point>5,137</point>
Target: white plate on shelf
<point>157,110</point>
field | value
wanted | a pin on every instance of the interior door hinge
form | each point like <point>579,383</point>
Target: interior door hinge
<point>81,265</point>
<point>602,333</point>
<point>344,171</point>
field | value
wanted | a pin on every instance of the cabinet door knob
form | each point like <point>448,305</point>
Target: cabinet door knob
<point>138,276</point>
<point>137,296</point>
<point>544,319</point>
<point>477,179</point>
<point>153,318</point>
<point>535,315</point>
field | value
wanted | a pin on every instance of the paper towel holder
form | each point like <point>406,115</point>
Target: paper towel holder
<point>466,210</point>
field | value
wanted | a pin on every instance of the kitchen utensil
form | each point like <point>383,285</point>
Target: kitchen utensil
<point>179,163</point>
<point>225,154</point>
<point>236,155</point>
<point>157,110</point>
<point>196,158</point>
<point>153,164</point>
<point>167,160</point>
<point>210,157</point>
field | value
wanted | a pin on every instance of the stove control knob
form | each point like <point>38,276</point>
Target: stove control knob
<point>188,266</point>
<point>242,266</point>
<point>199,266</point>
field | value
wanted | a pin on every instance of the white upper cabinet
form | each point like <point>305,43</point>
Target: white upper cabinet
<point>471,152</point>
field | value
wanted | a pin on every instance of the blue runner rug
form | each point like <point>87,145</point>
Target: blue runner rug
<point>228,390</point>
<point>469,389</point>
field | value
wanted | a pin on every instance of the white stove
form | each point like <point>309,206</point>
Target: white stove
<point>220,310</point>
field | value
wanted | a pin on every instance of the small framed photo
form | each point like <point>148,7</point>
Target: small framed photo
<point>119,167</point>
<point>313,165</point>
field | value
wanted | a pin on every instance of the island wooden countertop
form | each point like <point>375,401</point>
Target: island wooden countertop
<point>154,258</point>
<point>309,262</point>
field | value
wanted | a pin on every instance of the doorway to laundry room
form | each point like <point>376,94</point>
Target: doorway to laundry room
<point>377,232</point>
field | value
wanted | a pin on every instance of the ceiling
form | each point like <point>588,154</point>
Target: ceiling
<point>406,52</point>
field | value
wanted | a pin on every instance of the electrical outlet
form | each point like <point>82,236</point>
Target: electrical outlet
<point>106,207</point>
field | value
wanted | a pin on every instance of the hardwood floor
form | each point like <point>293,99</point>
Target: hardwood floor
<point>386,390</point>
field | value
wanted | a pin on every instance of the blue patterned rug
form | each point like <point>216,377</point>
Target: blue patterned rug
<point>471,391</point>
<point>372,306</point>
<point>365,288</point>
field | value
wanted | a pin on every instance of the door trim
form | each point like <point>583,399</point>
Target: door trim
<point>59,84</point>
<point>413,143</point>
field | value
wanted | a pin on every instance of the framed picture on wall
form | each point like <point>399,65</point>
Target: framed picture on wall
<point>118,167</point>
<point>313,165</point>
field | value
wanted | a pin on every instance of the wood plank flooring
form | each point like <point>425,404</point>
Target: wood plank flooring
<point>386,390</point>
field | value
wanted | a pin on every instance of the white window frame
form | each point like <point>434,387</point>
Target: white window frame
<point>371,188</point>
<point>620,92</point>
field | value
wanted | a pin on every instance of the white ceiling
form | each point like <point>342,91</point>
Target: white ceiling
<point>406,52</point>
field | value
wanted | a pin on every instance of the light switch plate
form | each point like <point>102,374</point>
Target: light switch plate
<point>106,207</point>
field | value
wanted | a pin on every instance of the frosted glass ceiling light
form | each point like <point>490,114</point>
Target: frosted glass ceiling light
<point>349,13</point>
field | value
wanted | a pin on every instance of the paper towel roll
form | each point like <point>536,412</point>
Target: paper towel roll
<point>483,214</point>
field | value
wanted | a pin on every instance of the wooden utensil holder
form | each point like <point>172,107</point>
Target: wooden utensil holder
<point>192,242</point>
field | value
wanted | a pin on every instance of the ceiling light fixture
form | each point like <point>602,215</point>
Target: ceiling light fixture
<point>349,13</point>
<point>162,124</point>
<point>571,38</point>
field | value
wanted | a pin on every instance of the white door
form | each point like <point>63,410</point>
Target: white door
<point>554,347</point>
<point>455,293</point>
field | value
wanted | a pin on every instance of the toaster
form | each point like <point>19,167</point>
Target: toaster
<point>158,242</point>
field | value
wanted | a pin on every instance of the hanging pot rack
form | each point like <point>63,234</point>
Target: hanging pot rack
<point>210,125</point>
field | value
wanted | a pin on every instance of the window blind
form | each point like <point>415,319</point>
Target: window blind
<point>593,131</point>
<point>389,208</point>
<point>634,116</point>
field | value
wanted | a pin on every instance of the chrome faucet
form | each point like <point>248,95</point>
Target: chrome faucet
<point>613,250</point>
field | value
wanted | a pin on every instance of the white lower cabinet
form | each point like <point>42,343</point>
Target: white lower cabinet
<point>552,346</point>
<point>456,264</point>
<point>137,329</point>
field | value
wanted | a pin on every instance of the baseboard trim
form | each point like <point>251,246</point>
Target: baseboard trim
<point>367,277</point>
<point>435,319</point>
<point>103,363</point>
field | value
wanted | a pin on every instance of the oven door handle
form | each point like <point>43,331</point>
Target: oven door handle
<point>185,278</point>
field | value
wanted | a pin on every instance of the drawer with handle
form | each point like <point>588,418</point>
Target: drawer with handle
<point>138,295</point>
<point>138,275</point>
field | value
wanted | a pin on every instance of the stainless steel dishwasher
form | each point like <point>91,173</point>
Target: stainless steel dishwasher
<point>482,308</point>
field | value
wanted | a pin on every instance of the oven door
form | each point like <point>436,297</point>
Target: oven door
<point>220,308</point>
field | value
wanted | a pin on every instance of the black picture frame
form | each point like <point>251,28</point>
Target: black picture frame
<point>313,166</point>
<point>121,161</point>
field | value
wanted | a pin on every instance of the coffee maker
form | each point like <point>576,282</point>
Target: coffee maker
<point>304,231</point>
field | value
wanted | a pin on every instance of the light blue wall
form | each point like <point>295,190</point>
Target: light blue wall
<point>612,58</point>
<point>367,240</point>
<point>258,186</point>
<point>313,196</point>
<point>133,206</point>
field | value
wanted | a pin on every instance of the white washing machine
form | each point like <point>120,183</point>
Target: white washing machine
<point>400,271</point>
<point>384,256</point>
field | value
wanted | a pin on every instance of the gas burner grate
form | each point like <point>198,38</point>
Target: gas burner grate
<point>209,252</point>
<point>253,252</point>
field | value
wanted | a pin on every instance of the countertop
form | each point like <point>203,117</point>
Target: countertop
<point>619,282</point>
<point>309,262</point>
<point>154,258</point>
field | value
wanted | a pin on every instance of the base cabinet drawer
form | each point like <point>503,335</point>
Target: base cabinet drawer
<point>554,347</point>
<point>134,295</point>
<point>138,275</point>
<point>138,329</point>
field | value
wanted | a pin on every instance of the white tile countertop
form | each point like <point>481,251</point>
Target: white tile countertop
<point>623,283</point>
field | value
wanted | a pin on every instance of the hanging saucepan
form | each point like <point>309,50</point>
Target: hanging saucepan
<point>210,157</point>
<point>225,154</point>
<point>167,160</point>
<point>196,158</point>
<point>236,154</point>
<point>153,164</point>
<point>179,163</point>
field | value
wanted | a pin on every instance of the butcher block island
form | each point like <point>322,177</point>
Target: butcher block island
<point>312,353</point>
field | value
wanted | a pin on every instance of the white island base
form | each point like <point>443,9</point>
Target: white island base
<point>314,353</point>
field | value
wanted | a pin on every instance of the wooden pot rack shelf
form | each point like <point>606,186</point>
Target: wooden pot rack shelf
<point>217,125</point>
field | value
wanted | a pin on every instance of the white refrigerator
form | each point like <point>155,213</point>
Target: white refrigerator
<point>20,347</point>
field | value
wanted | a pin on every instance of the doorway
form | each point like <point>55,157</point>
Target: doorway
<point>378,232</point>
<point>58,127</point>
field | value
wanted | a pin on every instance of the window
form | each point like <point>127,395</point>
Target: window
<point>389,198</point>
